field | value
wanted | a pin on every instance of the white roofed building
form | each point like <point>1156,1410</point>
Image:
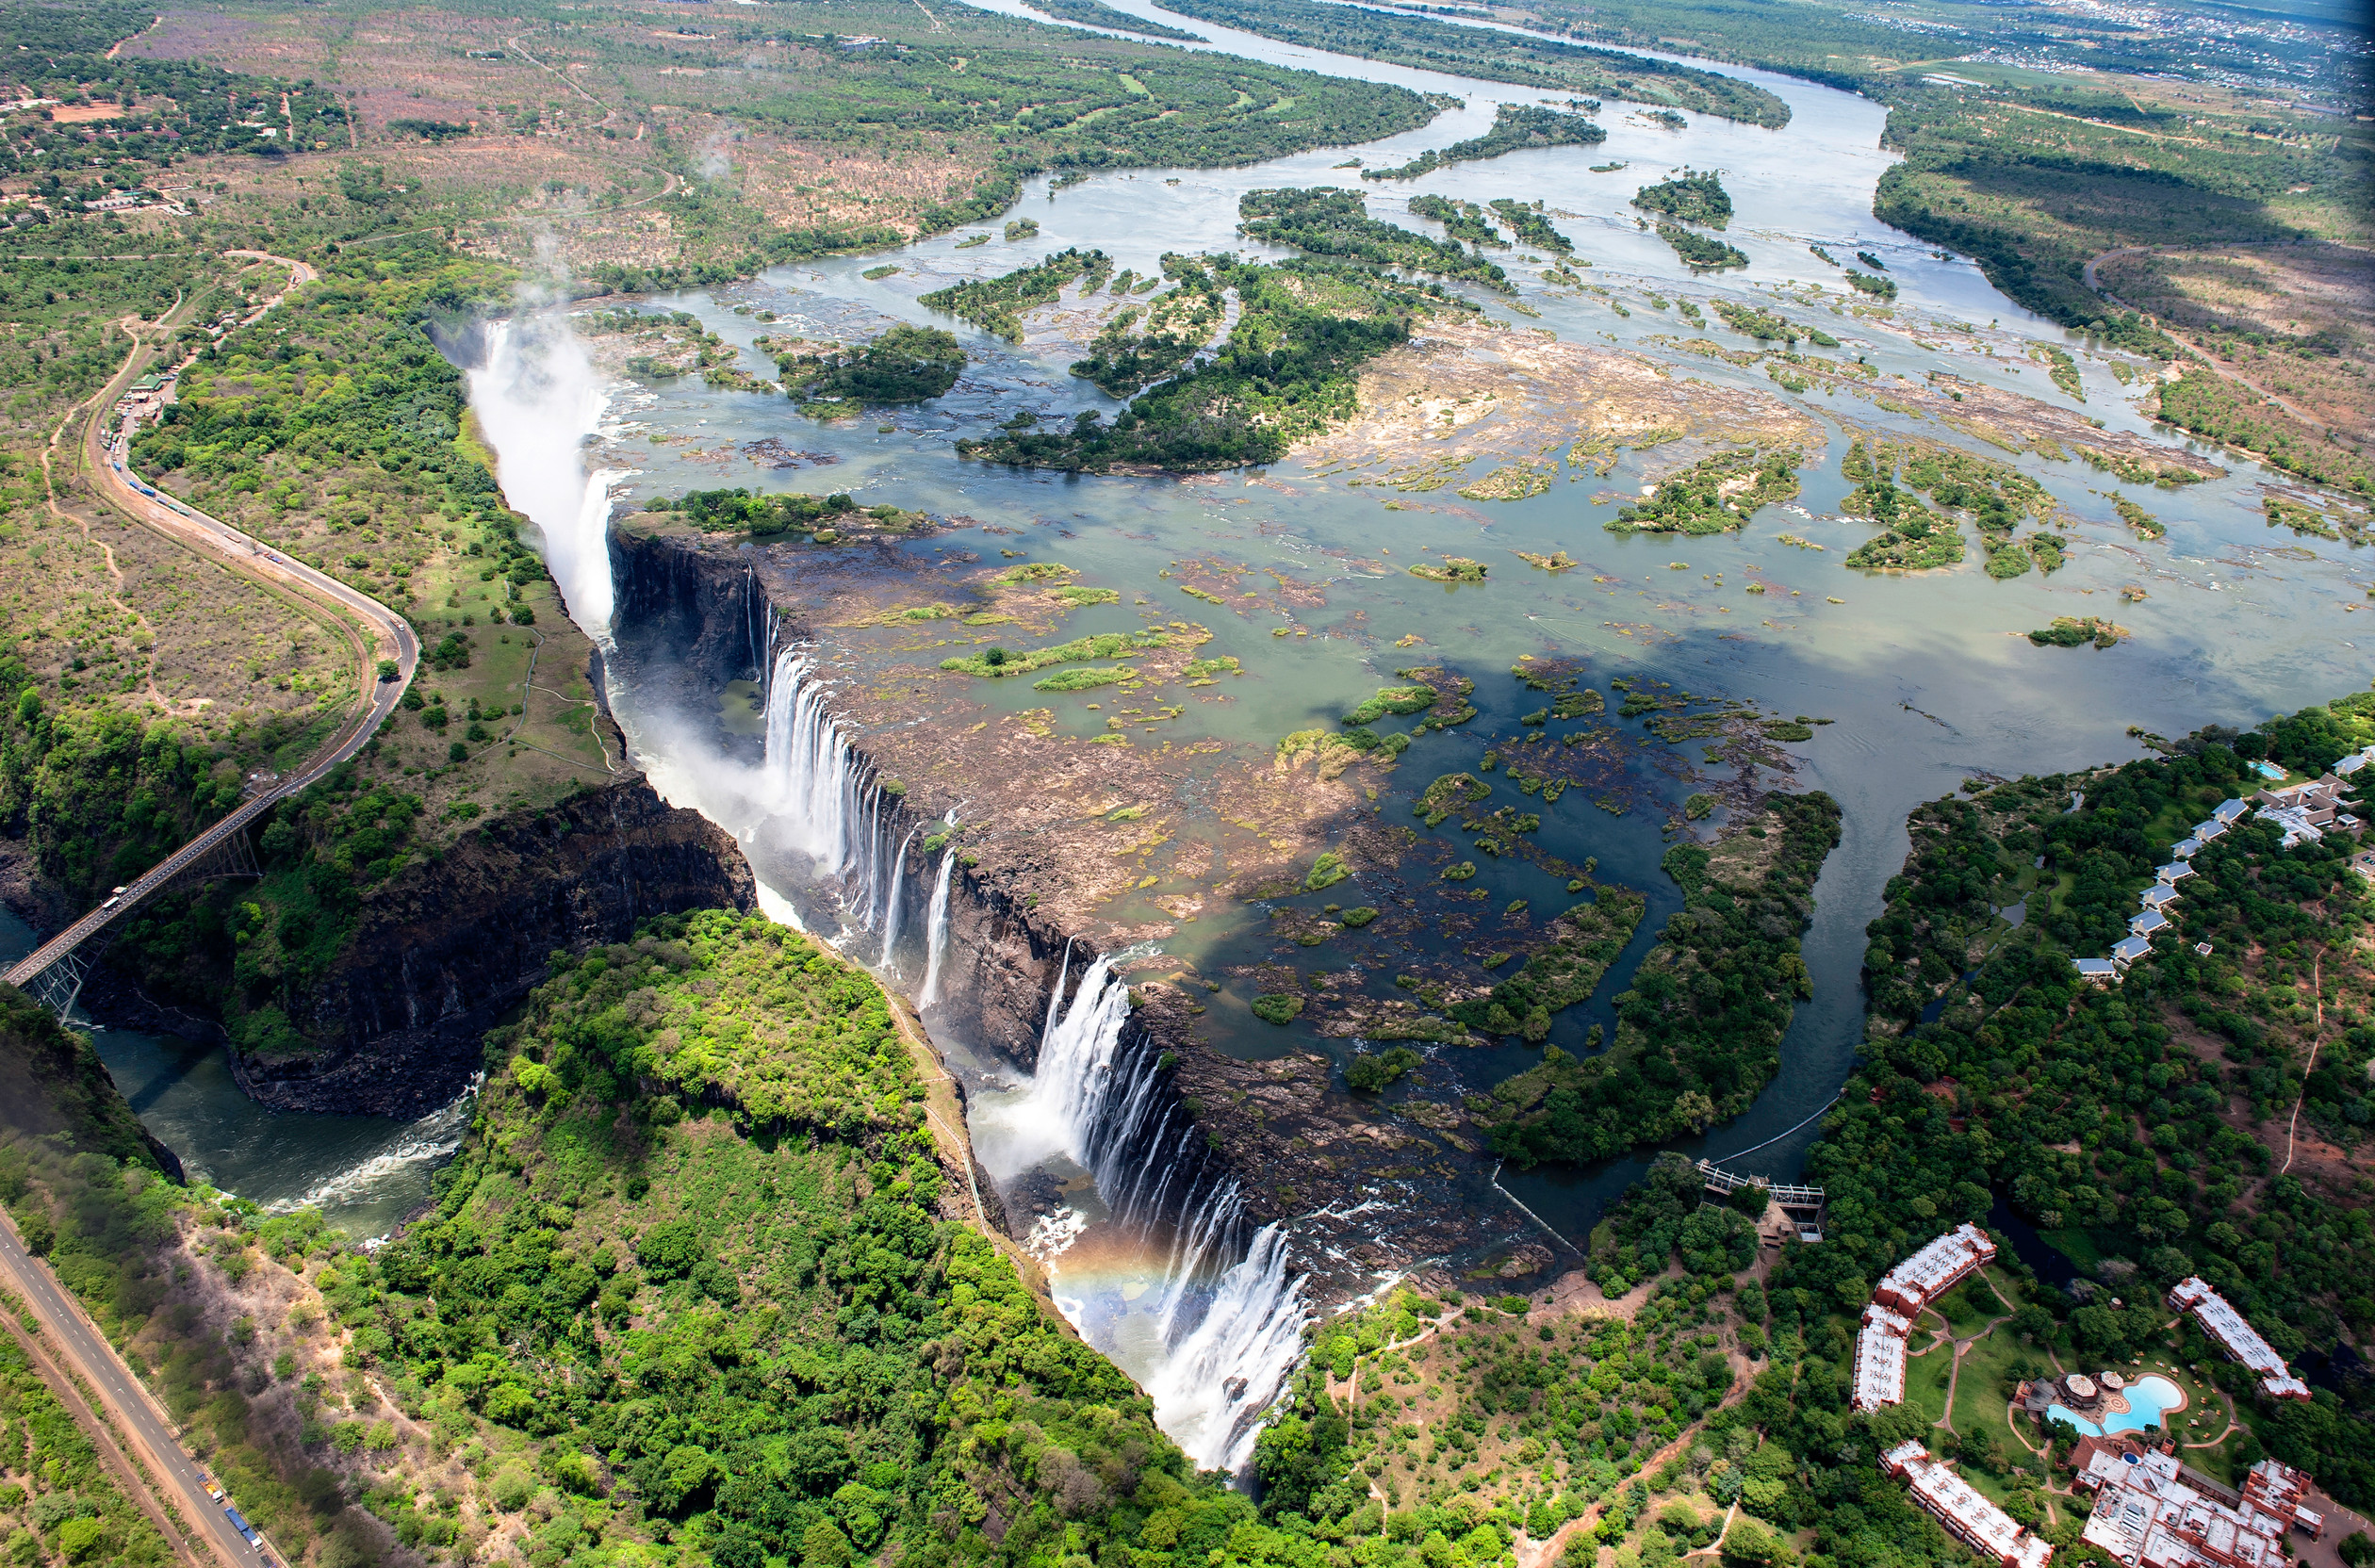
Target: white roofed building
<point>1969,1518</point>
<point>1879,1374</point>
<point>1935,1269</point>
<point>2151,1512</point>
<point>2233,1332</point>
<point>2299,828</point>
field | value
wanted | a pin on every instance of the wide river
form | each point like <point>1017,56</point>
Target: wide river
<point>1926,678</point>
<point>1925,675</point>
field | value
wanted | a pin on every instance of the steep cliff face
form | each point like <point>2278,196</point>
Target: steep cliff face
<point>693,616</point>
<point>1040,891</point>
<point>450,946</point>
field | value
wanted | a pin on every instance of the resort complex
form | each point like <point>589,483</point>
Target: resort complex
<point>2306,812</point>
<point>1879,1381</point>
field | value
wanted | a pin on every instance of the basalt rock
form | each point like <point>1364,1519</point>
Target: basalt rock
<point>445,949</point>
<point>1030,900</point>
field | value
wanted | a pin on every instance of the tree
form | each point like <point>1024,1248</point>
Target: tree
<point>1750,1545</point>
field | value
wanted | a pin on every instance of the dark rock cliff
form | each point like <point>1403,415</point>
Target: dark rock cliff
<point>448,947</point>
<point>693,617</point>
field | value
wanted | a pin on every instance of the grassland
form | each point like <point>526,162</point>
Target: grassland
<point>637,147</point>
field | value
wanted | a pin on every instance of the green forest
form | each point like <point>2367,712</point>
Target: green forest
<point>1287,369</point>
<point>1698,1031</point>
<point>699,1282</point>
<point>1516,128</point>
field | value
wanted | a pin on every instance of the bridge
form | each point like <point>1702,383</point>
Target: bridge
<point>53,974</point>
<point>1803,1204</point>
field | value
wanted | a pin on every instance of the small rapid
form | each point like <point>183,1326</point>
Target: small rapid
<point>396,1165</point>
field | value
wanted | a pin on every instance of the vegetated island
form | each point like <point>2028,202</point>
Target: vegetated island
<point>1716,495</point>
<point>906,365</point>
<point>1700,253</point>
<point>1304,330</point>
<point>1496,56</point>
<point>1328,222</point>
<point>1694,198</point>
<point>1516,128</point>
<point>996,305</point>
<point>1994,496</point>
<point>1698,1034</point>
<point>1140,345</point>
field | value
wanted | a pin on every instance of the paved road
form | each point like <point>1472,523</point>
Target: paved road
<point>135,1416</point>
<point>384,635</point>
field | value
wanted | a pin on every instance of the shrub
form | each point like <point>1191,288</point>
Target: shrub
<point>512,1489</point>
<point>1280,1007</point>
<point>1368,1074</point>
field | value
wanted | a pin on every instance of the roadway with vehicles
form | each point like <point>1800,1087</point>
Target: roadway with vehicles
<point>375,631</point>
<point>134,1415</point>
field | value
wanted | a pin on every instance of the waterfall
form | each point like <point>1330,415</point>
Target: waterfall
<point>537,397</point>
<point>936,925</point>
<point>891,907</point>
<point>812,772</point>
<point>1219,1380</point>
<point>1055,1002</point>
<point>1230,1342</point>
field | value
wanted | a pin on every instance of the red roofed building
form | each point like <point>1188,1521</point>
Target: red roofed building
<point>1969,1518</point>
<point>1935,1269</point>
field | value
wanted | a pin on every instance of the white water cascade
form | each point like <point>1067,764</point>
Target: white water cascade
<point>812,777</point>
<point>817,794</point>
<point>432,1138</point>
<point>1222,1377</point>
<point>537,397</point>
<point>1217,1341</point>
<point>890,904</point>
<point>936,923</point>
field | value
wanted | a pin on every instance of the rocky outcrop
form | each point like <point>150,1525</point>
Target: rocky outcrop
<point>447,948</point>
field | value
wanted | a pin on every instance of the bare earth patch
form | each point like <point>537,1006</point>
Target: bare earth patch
<point>1486,409</point>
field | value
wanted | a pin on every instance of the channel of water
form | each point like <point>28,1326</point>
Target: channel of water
<point>364,1173</point>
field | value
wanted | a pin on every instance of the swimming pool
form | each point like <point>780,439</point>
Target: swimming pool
<point>2147,1398</point>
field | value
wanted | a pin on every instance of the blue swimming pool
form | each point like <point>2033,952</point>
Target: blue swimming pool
<point>2146,1398</point>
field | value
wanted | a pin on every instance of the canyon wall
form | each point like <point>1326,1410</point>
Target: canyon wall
<point>448,947</point>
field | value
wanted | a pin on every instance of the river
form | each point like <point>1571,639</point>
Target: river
<point>1926,679</point>
<point>364,1173</point>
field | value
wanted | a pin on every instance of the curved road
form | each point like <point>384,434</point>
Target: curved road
<point>381,634</point>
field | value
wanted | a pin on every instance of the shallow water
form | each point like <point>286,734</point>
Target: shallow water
<point>1926,679</point>
<point>364,1173</point>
